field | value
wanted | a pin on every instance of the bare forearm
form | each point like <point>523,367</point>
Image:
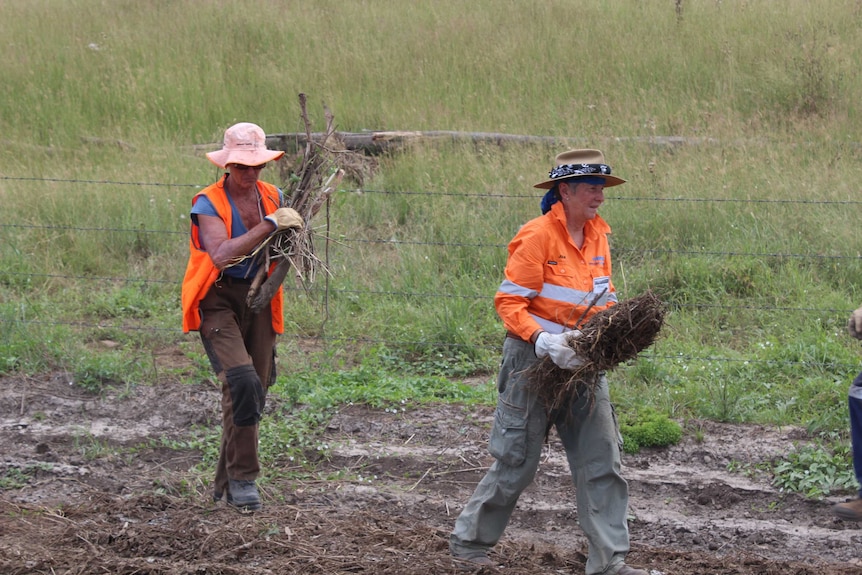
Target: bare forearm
<point>231,250</point>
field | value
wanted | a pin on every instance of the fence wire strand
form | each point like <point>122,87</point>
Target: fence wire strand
<point>400,294</point>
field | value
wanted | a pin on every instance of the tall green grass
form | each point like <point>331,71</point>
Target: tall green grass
<point>182,71</point>
<point>747,227</point>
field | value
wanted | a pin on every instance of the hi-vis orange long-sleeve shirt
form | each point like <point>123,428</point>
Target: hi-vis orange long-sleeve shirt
<point>549,282</point>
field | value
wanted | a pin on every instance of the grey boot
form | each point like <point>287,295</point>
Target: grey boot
<point>243,495</point>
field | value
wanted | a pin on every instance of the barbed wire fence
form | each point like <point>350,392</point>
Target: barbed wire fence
<point>487,298</point>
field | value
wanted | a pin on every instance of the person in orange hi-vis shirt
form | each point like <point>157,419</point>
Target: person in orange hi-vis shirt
<point>558,274</point>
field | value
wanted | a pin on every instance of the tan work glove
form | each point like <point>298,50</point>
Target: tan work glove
<point>284,218</point>
<point>854,325</point>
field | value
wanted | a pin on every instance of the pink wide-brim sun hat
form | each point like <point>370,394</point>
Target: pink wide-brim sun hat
<point>244,143</point>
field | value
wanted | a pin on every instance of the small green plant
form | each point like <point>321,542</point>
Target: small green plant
<point>649,428</point>
<point>292,437</point>
<point>93,371</point>
<point>433,362</point>
<point>91,447</point>
<point>18,477</point>
<point>749,470</point>
<point>13,478</point>
<point>816,471</point>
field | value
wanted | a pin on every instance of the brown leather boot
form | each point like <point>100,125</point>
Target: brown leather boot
<point>849,510</point>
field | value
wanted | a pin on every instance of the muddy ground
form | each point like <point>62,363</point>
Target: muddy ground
<point>81,506</point>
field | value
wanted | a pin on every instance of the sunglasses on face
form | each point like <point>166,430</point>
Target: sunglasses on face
<point>242,167</point>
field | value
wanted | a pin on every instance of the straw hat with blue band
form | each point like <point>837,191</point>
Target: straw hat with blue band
<point>586,166</point>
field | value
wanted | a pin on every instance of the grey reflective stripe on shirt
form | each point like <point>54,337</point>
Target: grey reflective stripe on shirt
<point>561,294</point>
<point>573,296</point>
<point>558,293</point>
<point>511,288</point>
<point>548,325</point>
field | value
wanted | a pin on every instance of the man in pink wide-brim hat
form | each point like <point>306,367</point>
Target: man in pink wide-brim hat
<point>229,219</point>
<point>244,144</point>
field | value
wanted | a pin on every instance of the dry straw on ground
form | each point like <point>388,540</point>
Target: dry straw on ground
<point>612,336</point>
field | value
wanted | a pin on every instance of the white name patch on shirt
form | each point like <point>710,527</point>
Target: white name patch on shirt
<point>601,285</point>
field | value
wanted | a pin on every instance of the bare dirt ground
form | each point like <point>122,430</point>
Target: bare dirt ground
<point>84,508</point>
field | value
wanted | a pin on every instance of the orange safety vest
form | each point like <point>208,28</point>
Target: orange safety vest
<point>201,273</point>
<point>549,283</point>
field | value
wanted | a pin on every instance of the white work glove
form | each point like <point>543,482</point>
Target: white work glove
<point>854,325</point>
<point>555,346</point>
<point>284,218</point>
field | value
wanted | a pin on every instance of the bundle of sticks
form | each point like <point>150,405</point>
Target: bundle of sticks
<point>610,337</point>
<point>311,187</point>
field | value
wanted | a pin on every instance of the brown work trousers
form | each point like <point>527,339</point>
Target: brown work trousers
<point>240,345</point>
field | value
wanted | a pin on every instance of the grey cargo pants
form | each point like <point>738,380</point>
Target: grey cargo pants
<point>590,438</point>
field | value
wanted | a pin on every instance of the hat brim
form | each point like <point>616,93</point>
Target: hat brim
<point>610,181</point>
<point>222,158</point>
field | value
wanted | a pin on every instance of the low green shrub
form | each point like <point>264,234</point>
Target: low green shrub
<point>649,428</point>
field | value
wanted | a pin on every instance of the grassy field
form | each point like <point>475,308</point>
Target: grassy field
<point>746,226</point>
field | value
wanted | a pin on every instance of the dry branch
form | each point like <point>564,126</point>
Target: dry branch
<point>612,336</point>
<point>312,186</point>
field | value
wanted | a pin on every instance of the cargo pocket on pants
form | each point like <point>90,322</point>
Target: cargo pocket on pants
<point>508,442</point>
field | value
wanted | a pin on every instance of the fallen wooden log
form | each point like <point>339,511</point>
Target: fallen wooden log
<point>375,143</point>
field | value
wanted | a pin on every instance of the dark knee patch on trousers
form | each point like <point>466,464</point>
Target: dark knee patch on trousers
<point>246,394</point>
